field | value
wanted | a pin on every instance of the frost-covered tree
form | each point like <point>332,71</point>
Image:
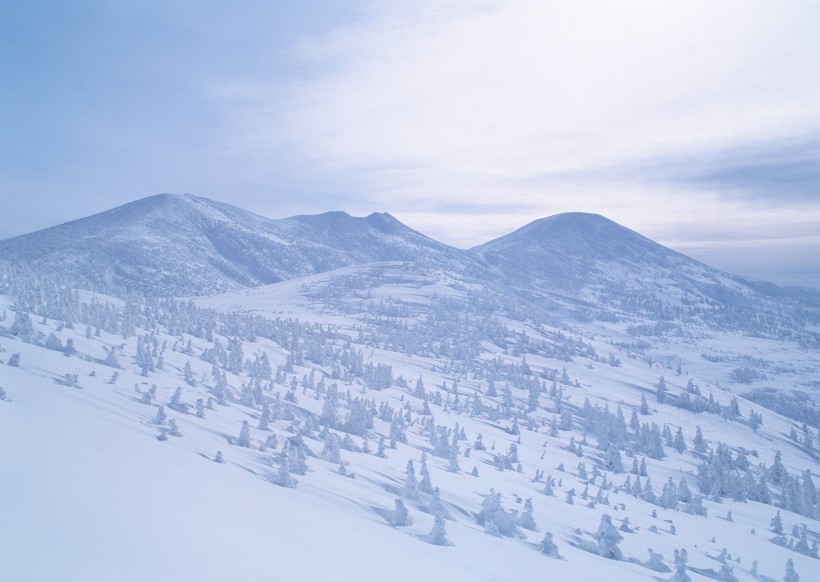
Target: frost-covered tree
<point>188,374</point>
<point>679,443</point>
<point>200,408</point>
<point>683,492</point>
<point>436,507</point>
<point>438,535</point>
<point>330,410</point>
<point>680,575</point>
<point>548,490</point>
<point>264,419</point>
<point>778,472</point>
<point>22,327</point>
<point>244,439</point>
<point>669,495</point>
<point>283,478</point>
<point>173,429</point>
<point>644,405</point>
<point>791,575</point>
<point>425,484</point>
<point>548,547</point>
<point>489,505</point>
<point>401,517</point>
<point>608,539</point>
<point>699,443</point>
<point>526,519</point>
<point>612,460</point>
<point>53,343</point>
<point>332,451</point>
<point>358,419</point>
<point>661,391</point>
<point>802,545</point>
<point>161,417</point>
<point>410,483</point>
<point>453,465</point>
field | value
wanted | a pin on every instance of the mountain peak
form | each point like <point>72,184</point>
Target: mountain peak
<point>180,244</point>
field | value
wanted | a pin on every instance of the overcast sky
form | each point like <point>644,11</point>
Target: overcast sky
<point>696,123</point>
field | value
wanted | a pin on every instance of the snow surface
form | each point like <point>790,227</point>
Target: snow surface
<point>89,492</point>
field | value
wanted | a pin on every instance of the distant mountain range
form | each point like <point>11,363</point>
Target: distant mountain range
<point>184,245</point>
<point>582,265</point>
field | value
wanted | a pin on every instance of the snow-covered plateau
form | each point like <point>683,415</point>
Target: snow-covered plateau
<point>192,392</point>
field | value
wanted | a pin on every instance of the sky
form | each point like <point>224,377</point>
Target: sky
<point>694,123</point>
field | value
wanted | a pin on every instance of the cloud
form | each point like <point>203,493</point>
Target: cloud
<point>774,172</point>
<point>640,110</point>
<point>511,89</point>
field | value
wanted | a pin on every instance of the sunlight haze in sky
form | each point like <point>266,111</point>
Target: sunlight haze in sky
<point>695,123</point>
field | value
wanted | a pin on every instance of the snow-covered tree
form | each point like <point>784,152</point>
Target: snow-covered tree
<point>161,417</point>
<point>548,547</point>
<point>526,519</point>
<point>401,517</point>
<point>410,483</point>
<point>244,439</point>
<point>661,391</point>
<point>679,443</point>
<point>22,327</point>
<point>680,575</point>
<point>438,535</point>
<point>791,575</point>
<point>608,539</point>
<point>436,507</point>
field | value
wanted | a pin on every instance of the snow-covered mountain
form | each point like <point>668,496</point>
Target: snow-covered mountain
<point>581,266</point>
<point>183,245</point>
<point>592,268</point>
<point>571,401</point>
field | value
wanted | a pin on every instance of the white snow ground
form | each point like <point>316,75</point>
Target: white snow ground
<point>88,492</point>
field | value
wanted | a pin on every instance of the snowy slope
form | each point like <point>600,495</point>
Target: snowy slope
<point>89,492</point>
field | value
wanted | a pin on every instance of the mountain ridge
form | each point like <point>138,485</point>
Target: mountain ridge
<point>578,265</point>
<point>184,245</point>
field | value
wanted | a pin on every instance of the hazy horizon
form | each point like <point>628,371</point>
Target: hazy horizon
<point>696,124</point>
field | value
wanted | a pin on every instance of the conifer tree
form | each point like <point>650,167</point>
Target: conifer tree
<point>679,443</point>
<point>438,535</point>
<point>283,478</point>
<point>410,484</point>
<point>436,507</point>
<point>608,539</point>
<point>661,391</point>
<point>526,519</point>
<point>644,405</point>
<point>791,575</point>
<point>244,439</point>
<point>425,484</point>
<point>401,517</point>
<point>160,418</point>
